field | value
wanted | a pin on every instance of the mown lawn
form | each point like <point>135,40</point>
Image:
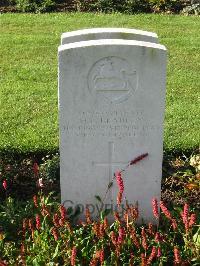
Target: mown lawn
<point>28,75</point>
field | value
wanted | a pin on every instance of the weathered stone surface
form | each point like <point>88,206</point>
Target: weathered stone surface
<point>108,33</point>
<point>111,105</point>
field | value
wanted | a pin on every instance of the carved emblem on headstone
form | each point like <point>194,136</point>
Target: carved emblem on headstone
<point>112,78</point>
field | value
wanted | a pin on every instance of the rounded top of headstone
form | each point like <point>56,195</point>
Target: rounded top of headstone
<point>110,42</point>
<point>108,33</point>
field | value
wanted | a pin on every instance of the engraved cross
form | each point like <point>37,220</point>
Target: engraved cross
<point>110,162</point>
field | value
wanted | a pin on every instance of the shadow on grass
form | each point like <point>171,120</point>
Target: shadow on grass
<point>15,155</point>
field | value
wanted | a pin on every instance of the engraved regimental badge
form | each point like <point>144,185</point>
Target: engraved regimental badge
<point>113,79</point>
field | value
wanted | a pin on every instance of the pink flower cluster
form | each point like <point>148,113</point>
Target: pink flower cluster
<point>120,184</point>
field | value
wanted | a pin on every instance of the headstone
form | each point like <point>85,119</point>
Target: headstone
<point>111,106</point>
<point>108,33</point>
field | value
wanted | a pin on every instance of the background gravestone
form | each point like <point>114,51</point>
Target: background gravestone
<point>108,33</point>
<point>111,105</point>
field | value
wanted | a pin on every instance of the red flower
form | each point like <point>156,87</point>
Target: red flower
<point>134,212</point>
<point>158,237</point>
<point>165,210</point>
<point>93,262</point>
<point>143,260</point>
<point>134,238</point>
<point>159,253</point>
<point>56,220</point>
<point>5,186</point>
<point>38,223</point>
<point>144,239</point>
<point>35,169</point>
<point>35,201</point>
<point>22,253</point>
<point>119,198</point>
<point>45,210</point>
<point>120,182</point>
<point>152,255</point>
<point>131,259</point>
<point>177,257</point>
<point>139,158</point>
<point>101,230</point>
<point>88,215</point>
<point>126,218</point>
<point>54,233</point>
<point>192,219</point>
<point>150,229</point>
<point>184,215</point>
<point>22,249</point>
<point>121,235</point>
<point>96,228</point>
<point>102,255</point>
<point>185,212</point>
<point>73,256</point>
<point>174,224</point>
<point>63,212</point>
<point>3,263</point>
<point>31,227</point>
<point>155,208</point>
<point>117,217</point>
<point>30,224</point>
<point>62,222</point>
<point>113,238</point>
<point>24,224</point>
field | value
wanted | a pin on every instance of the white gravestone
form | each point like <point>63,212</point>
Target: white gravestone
<point>108,33</point>
<point>111,106</point>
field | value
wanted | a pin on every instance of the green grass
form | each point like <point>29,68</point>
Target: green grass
<point>28,75</point>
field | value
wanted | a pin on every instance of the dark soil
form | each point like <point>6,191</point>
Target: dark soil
<point>180,182</point>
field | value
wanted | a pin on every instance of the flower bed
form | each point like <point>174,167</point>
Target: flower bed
<point>40,231</point>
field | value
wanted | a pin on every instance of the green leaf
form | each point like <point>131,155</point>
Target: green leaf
<point>56,251</point>
<point>98,198</point>
<point>105,213</point>
<point>196,238</point>
<point>35,262</point>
